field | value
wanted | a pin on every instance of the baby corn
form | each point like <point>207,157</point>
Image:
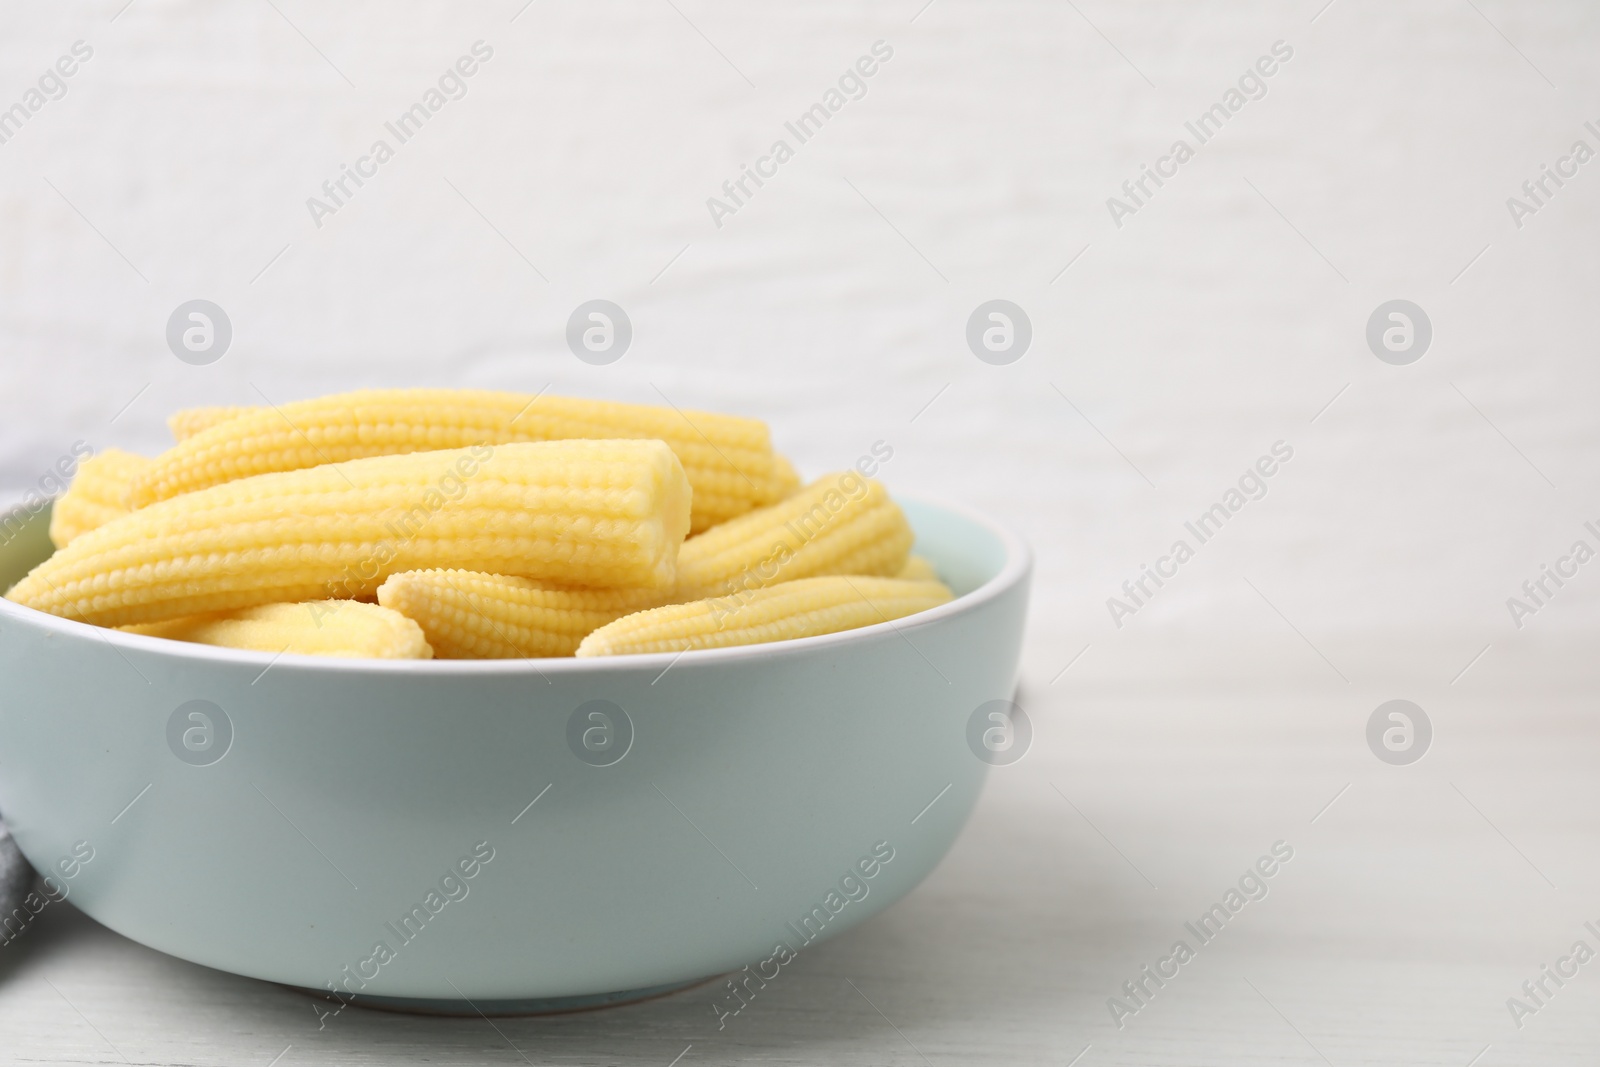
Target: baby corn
<point>802,608</point>
<point>315,628</point>
<point>728,460</point>
<point>98,494</point>
<point>918,569</point>
<point>470,615</point>
<point>595,513</point>
<point>186,423</point>
<point>840,524</point>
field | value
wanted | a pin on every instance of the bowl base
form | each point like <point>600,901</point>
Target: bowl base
<point>450,1007</point>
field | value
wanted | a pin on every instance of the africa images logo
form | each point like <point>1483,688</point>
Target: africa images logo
<point>450,85</point>
<point>853,887</point>
<point>852,85</point>
<point>1251,85</point>
<point>1253,885</point>
<point>452,887</point>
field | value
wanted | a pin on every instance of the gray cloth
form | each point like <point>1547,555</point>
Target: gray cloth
<point>16,877</point>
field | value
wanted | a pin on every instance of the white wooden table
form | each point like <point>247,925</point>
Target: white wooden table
<point>1418,900</point>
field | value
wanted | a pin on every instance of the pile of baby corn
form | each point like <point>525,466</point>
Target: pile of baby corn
<point>461,524</point>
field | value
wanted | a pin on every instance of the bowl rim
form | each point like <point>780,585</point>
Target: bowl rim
<point>1015,568</point>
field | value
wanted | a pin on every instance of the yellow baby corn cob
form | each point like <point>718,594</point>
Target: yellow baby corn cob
<point>186,423</point>
<point>315,628</point>
<point>599,513</point>
<point>839,524</point>
<point>786,479</point>
<point>918,569</point>
<point>728,460</point>
<point>97,495</point>
<point>802,608</point>
<point>471,615</point>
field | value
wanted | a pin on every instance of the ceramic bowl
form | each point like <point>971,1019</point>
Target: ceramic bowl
<point>537,832</point>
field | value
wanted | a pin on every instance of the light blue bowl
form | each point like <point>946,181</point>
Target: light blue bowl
<point>758,788</point>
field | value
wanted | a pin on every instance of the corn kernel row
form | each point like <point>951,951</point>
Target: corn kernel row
<point>186,423</point>
<point>840,524</point>
<point>805,607</point>
<point>469,615</point>
<point>571,543</point>
<point>98,494</point>
<point>601,513</point>
<point>728,460</point>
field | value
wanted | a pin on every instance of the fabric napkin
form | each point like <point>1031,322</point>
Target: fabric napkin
<point>16,879</point>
